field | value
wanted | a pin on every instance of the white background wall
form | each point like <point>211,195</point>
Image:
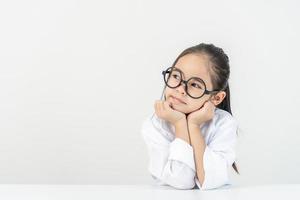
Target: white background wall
<point>77,78</point>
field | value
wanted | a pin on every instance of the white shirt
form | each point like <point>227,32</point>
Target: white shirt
<point>171,159</point>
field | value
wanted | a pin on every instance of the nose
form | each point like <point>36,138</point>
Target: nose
<point>181,88</point>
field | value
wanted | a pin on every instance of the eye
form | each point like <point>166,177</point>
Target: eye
<point>175,76</point>
<point>196,85</point>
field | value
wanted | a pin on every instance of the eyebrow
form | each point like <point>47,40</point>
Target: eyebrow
<point>190,77</point>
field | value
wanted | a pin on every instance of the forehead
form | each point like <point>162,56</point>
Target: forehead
<point>195,66</point>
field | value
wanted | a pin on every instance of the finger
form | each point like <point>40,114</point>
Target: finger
<point>160,106</point>
<point>162,109</point>
<point>212,104</point>
<point>156,107</point>
<point>209,103</point>
<point>206,103</point>
<point>166,105</point>
<point>163,105</point>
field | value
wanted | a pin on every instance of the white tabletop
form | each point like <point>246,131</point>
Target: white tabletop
<point>86,192</point>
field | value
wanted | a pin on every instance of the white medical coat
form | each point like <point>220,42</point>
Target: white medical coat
<point>171,159</point>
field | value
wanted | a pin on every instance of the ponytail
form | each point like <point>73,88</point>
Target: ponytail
<point>225,104</point>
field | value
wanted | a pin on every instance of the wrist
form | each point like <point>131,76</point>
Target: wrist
<point>194,124</point>
<point>180,122</point>
<point>181,130</point>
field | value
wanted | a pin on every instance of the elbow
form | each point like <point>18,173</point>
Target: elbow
<point>181,181</point>
<point>185,186</point>
<point>212,182</point>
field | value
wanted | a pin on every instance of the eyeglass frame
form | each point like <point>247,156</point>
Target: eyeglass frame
<point>164,72</point>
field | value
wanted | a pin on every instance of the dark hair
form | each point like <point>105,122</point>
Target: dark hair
<point>219,72</point>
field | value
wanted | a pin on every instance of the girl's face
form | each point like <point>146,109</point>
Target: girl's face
<point>192,66</point>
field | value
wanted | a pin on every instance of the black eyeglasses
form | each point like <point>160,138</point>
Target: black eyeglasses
<point>194,86</point>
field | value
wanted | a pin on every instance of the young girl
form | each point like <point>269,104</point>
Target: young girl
<point>191,136</point>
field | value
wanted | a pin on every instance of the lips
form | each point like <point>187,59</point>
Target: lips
<point>177,100</point>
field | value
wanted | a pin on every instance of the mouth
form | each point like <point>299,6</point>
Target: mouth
<point>177,100</point>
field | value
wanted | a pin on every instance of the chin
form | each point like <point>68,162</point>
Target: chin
<point>175,107</point>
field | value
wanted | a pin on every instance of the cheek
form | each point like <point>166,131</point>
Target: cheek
<point>195,105</point>
<point>167,92</point>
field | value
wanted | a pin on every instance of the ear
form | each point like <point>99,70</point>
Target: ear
<point>164,93</point>
<point>218,98</point>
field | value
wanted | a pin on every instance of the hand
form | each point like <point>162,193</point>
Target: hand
<point>205,113</point>
<point>164,111</point>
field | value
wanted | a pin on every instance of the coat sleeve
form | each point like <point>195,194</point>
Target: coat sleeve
<point>219,155</point>
<point>171,162</point>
